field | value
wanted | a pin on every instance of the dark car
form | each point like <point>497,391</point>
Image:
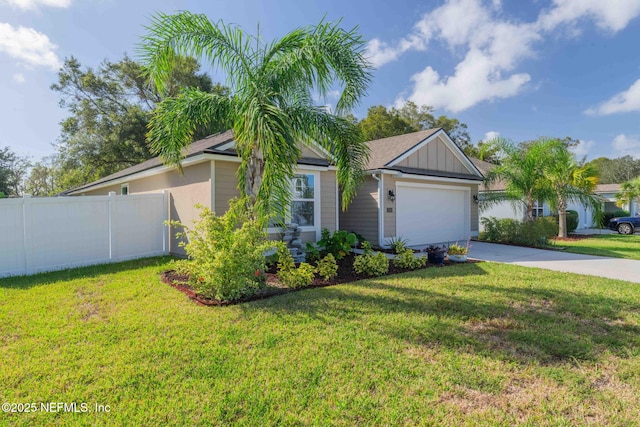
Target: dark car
<point>625,225</point>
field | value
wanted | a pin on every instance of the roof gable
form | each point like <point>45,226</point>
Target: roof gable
<point>428,150</point>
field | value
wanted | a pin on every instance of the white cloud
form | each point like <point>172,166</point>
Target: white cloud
<point>33,4</point>
<point>492,134</point>
<point>583,148</point>
<point>623,102</point>
<point>28,46</point>
<point>493,46</point>
<point>608,15</point>
<point>19,78</point>
<point>626,145</point>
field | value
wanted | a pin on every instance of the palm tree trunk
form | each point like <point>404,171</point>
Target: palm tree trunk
<point>253,175</point>
<point>562,217</point>
<point>529,212</point>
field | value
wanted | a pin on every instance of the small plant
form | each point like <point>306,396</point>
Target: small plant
<point>436,254</point>
<point>327,267</point>
<point>339,244</point>
<point>300,277</point>
<point>291,276</point>
<point>397,244</point>
<point>456,249</point>
<point>370,263</point>
<point>407,259</point>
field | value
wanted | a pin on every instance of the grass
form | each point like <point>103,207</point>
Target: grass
<point>609,245</point>
<point>474,344</point>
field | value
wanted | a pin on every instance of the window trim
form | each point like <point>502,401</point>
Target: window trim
<point>122,189</point>
<point>316,205</point>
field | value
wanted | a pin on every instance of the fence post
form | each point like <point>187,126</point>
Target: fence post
<point>27,234</point>
<point>112,226</point>
<point>165,218</point>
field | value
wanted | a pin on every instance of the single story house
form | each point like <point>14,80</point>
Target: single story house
<point>209,179</point>
<point>420,187</point>
<point>606,192</point>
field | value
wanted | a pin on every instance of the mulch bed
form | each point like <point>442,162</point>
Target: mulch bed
<point>274,287</point>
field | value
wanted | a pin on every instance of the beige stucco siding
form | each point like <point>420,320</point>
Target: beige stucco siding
<point>362,213</point>
<point>435,155</point>
<point>390,217</point>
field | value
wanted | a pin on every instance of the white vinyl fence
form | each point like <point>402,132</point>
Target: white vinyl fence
<point>54,233</point>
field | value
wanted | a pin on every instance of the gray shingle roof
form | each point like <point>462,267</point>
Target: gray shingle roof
<point>206,145</point>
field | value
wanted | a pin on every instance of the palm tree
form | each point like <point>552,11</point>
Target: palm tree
<point>629,191</point>
<point>269,107</point>
<point>521,170</point>
<point>568,180</point>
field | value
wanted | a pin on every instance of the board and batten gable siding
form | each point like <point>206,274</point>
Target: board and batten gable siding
<point>435,155</point>
<point>390,217</point>
<point>361,215</point>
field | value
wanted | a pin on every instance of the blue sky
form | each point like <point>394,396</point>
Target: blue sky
<point>505,67</point>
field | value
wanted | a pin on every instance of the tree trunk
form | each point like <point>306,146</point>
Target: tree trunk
<point>253,176</point>
<point>529,212</point>
<point>562,217</point>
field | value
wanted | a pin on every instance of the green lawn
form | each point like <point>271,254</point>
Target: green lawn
<point>475,344</point>
<point>610,245</point>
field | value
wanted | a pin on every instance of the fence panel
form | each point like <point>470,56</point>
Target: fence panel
<point>12,253</point>
<point>139,226</point>
<point>53,233</point>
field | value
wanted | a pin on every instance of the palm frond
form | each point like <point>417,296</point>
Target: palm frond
<point>174,121</point>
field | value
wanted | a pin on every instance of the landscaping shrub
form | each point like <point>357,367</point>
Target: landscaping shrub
<point>327,267</point>
<point>226,253</point>
<point>370,263</point>
<point>406,259</point>
<point>572,221</point>
<point>397,244</point>
<point>289,275</point>
<point>339,244</point>
<point>528,233</point>
<point>621,213</point>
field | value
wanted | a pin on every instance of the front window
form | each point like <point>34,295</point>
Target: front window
<point>303,201</point>
<point>538,209</point>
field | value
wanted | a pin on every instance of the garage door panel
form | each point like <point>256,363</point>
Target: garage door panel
<point>430,214</point>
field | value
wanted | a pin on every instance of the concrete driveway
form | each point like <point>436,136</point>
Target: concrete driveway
<point>613,268</point>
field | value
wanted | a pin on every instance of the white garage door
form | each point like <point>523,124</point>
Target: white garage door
<point>428,214</point>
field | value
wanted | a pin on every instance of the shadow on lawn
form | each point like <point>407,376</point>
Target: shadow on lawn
<point>515,323</point>
<point>26,282</point>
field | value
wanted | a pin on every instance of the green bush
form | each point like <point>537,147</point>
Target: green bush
<point>528,233</point>
<point>327,267</point>
<point>339,244</point>
<point>407,259</point>
<point>621,213</point>
<point>370,263</point>
<point>289,275</point>
<point>572,221</point>
<point>300,277</point>
<point>226,253</point>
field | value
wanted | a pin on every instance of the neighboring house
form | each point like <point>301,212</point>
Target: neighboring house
<point>209,179</point>
<point>607,193</point>
<point>508,209</point>
<point>419,187</point>
<point>504,209</point>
